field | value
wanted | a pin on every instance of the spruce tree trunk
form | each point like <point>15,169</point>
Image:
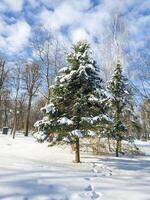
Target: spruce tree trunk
<point>118,134</point>
<point>109,143</point>
<point>28,116</point>
<point>77,151</point>
<point>117,148</point>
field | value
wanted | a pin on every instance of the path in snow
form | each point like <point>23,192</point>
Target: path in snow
<point>32,171</point>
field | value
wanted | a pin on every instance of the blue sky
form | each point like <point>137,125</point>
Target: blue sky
<point>72,20</point>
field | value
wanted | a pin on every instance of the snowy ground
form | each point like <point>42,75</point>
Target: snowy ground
<point>32,171</point>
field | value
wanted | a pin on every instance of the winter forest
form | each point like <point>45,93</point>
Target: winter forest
<point>74,100</point>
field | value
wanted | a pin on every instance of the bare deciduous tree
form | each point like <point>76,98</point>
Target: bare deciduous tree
<point>22,109</point>
<point>31,80</point>
<point>145,118</point>
<point>3,73</point>
<point>16,82</point>
<point>112,45</point>
<point>4,93</point>
<point>49,53</point>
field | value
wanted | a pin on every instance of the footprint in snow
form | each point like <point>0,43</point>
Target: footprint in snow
<point>87,179</point>
<point>88,194</point>
<point>99,169</point>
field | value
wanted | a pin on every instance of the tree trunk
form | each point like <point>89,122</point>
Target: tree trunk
<point>49,96</point>
<point>28,116</point>
<point>120,147</point>
<point>13,132</point>
<point>14,127</point>
<point>6,116</point>
<point>109,147</point>
<point>48,83</point>
<point>77,151</point>
<point>1,110</point>
<point>117,148</point>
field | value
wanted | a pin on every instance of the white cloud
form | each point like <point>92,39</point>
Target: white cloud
<point>79,34</point>
<point>81,20</point>
<point>45,18</point>
<point>16,37</point>
<point>2,25</point>
<point>20,33</point>
<point>76,4</point>
<point>51,3</point>
<point>12,5</point>
<point>2,6</point>
<point>79,5</point>
<point>78,14</point>
<point>64,15</point>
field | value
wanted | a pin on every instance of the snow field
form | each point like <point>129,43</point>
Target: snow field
<point>34,171</point>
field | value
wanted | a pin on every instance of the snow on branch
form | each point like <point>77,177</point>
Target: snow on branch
<point>65,120</point>
<point>76,133</point>
<point>50,108</point>
<point>40,136</point>
<point>96,119</point>
<point>44,121</point>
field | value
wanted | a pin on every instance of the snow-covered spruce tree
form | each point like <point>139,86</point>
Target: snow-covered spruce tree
<point>120,103</point>
<point>77,105</point>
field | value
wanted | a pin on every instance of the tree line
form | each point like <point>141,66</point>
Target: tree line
<point>83,105</point>
<point>21,83</point>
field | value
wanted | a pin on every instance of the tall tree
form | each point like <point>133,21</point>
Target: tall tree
<point>31,80</point>
<point>120,103</point>
<point>4,93</point>
<point>16,84</point>
<point>77,105</point>
<point>114,42</point>
<point>22,104</point>
<point>145,118</point>
<point>3,73</point>
<point>50,54</point>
